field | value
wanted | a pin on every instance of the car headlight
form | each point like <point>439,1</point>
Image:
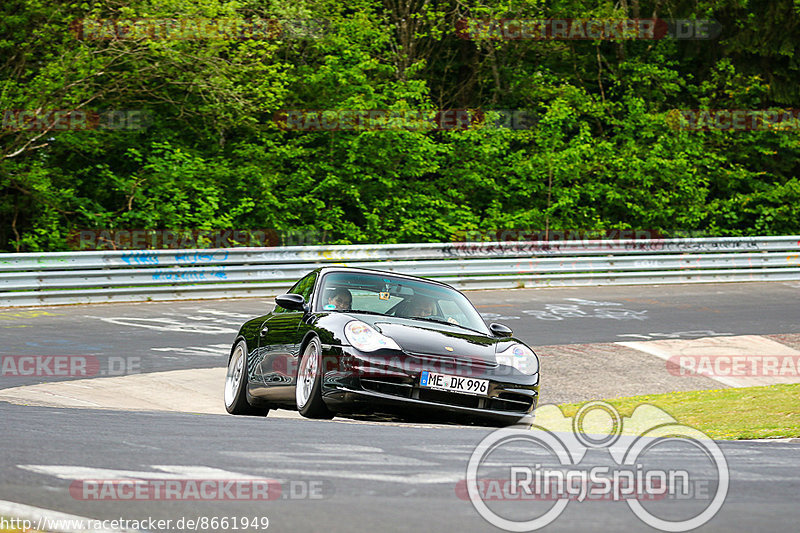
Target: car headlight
<point>520,357</point>
<point>366,339</point>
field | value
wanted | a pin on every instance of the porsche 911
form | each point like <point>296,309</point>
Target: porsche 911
<point>351,341</point>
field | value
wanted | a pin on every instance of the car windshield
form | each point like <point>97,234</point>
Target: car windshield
<point>383,294</point>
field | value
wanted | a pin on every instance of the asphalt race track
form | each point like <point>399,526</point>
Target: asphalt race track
<point>356,475</point>
<point>373,477</point>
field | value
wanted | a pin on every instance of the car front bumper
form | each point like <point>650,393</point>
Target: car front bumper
<point>390,383</point>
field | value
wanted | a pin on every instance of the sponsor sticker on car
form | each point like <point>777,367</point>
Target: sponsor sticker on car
<point>446,382</point>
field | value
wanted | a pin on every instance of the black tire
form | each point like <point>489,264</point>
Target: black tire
<point>235,394</point>
<point>308,385</point>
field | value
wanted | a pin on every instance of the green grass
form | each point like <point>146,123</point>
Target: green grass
<point>729,414</point>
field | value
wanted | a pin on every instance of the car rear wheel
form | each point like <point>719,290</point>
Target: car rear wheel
<point>308,390</point>
<point>236,384</point>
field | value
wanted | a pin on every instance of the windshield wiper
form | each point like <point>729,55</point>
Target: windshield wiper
<point>363,312</point>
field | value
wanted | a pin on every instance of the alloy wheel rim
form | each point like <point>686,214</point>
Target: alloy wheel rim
<point>234,376</point>
<point>306,377</point>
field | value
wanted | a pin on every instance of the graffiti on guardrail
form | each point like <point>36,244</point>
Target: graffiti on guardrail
<point>191,275</point>
<point>505,242</point>
<point>195,257</point>
<point>513,248</point>
<point>104,276</point>
<point>696,245</point>
<point>46,259</point>
<point>341,254</point>
<point>140,258</point>
<point>551,235</point>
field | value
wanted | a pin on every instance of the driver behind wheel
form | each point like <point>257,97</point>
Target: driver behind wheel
<point>341,299</point>
<point>424,307</point>
<point>421,307</point>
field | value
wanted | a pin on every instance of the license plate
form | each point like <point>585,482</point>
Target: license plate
<point>432,380</point>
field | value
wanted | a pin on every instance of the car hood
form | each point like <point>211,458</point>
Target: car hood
<point>423,338</point>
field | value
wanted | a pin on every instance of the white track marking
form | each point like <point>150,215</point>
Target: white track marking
<point>412,479</point>
<point>330,458</point>
<point>345,448</point>
<point>165,472</point>
<point>581,301</point>
<point>212,350</point>
<point>165,324</point>
<point>676,335</point>
<point>218,312</point>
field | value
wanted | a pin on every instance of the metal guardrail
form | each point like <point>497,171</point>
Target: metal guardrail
<point>142,275</point>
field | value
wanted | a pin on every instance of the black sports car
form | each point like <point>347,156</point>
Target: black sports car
<point>347,340</point>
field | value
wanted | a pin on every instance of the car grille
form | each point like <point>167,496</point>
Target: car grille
<point>511,401</point>
<point>450,360</point>
<point>394,387</point>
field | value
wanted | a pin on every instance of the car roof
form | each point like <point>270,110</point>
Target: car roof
<point>357,270</point>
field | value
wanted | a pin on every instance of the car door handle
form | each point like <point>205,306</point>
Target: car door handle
<point>264,331</point>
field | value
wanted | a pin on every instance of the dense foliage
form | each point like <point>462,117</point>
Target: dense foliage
<point>603,151</point>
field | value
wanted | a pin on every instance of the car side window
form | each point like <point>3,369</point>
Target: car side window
<point>305,286</point>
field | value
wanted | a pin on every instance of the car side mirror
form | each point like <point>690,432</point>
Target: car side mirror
<point>293,302</point>
<point>500,330</point>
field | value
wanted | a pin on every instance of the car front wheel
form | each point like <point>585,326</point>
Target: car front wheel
<point>308,390</point>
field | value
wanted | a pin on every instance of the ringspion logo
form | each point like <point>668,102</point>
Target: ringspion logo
<point>522,480</point>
